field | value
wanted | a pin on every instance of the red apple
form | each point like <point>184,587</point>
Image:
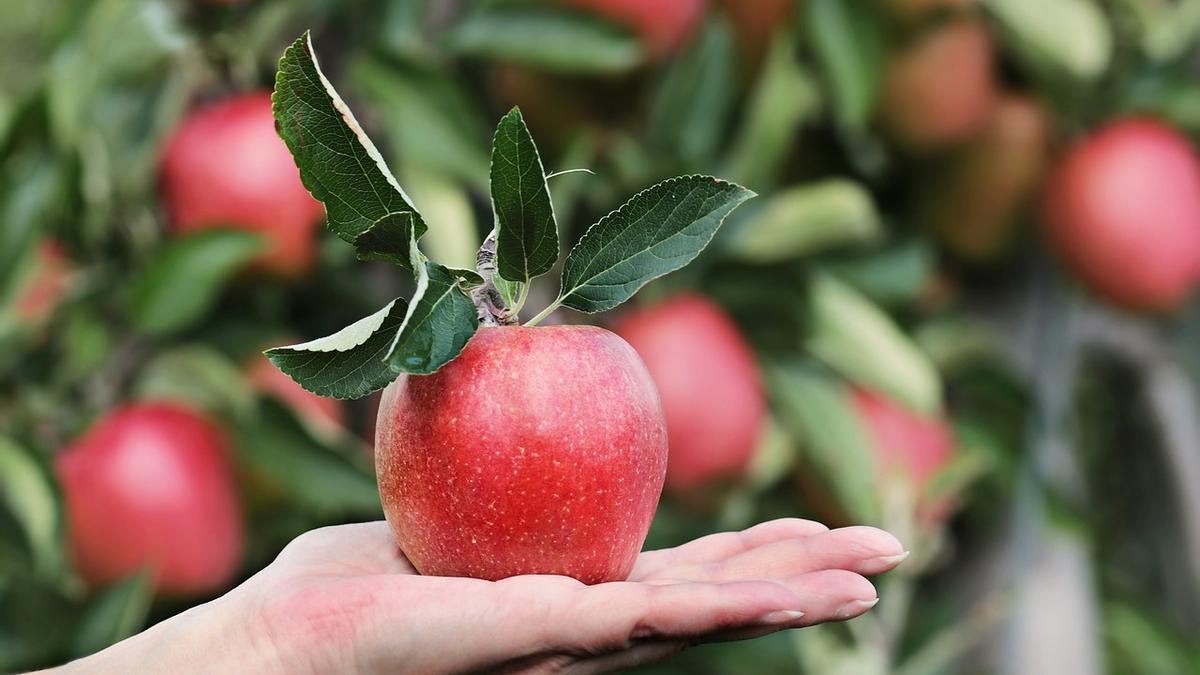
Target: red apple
<point>46,284</point>
<point>1123,210</point>
<point>709,384</point>
<point>664,25</point>
<point>226,167</point>
<point>150,487</point>
<point>974,203</point>
<point>938,90</point>
<point>325,413</point>
<point>537,450</point>
<point>905,442</point>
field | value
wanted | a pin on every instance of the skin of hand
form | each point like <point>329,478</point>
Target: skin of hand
<point>345,600</point>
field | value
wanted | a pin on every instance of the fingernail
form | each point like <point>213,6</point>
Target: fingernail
<point>780,617</point>
<point>854,608</point>
<point>883,562</point>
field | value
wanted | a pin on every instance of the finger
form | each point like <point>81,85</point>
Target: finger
<point>865,550</point>
<point>639,655</point>
<point>611,617</point>
<point>831,595</point>
<point>722,545</point>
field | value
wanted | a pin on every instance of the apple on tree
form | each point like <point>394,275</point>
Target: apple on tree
<point>48,280</point>
<point>226,167</point>
<point>1122,208</point>
<point>709,383</point>
<point>150,487</point>
<point>501,449</point>
<point>663,25</point>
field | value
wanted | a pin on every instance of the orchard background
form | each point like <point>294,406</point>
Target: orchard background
<point>961,307</point>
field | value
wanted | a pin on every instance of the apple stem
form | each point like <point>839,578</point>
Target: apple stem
<point>487,298</point>
<point>544,313</point>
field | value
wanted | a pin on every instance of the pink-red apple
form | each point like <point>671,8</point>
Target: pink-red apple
<point>974,203</point>
<point>904,441</point>
<point>537,450</point>
<point>1123,210</point>
<point>709,384</point>
<point>938,89</point>
<point>150,487</point>
<point>663,25</point>
<point>226,167</point>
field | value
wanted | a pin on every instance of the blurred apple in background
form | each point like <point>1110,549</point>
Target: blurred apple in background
<point>755,22</point>
<point>225,167</point>
<point>664,25</point>
<point>974,202</point>
<point>709,383</point>
<point>535,451</point>
<point>939,86</point>
<point>326,414</point>
<point>909,445</point>
<point>45,284</point>
<point>1123,210</point>
<point>150,487</point>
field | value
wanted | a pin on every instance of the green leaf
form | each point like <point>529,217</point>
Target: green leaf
<point>848,40</point>
<point>527,234</point>
<point>807,219</point>
<point>658,231</point>
<point>1036,29</point>
<point>692,105</point>
<point>29,494</point>
<point>181,284</point>
<point>350,363</point>
<point>440,321</point>
<point>120,611</point>
<point>857,339</point>
<point>896,274</point>
<point>388,239</point>
<point>340,166</point>
<point>198,375</point>
<point>278,448</point>
<point>784,98</point>
<point>547,38</point>
<point>834,444</point>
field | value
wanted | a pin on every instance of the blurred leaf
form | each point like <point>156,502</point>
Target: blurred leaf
<point>860,341</point>
<point>545,37</point>
<point>453,239</point>
<point>526,232</point>
<point>897,274</point>
<point>440,321</point>
<point>339,164</point>
<point>832,440</point>
<point>785,97</point>
<point>197,375</point>
<point>658,231</point>
<point>1169,31</point>
<point>1139,642</point>
<point>430,120</point>
<point>807,219</point>
<point>30,495</point>
<point>29,192</point>
<point>115,614</point>
<point>183,281</point>
<point>774,457</point>
<point>36,621</point>
<point>350,363</point>
<point>116,39</point>
<point>1041,38</point>
<point>692,104</point>
<point>278,448</point>
<point>848,40</point>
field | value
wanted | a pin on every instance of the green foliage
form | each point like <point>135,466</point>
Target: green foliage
<point>526,232</point>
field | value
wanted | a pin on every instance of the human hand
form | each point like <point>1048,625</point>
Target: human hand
<point>344,599</point>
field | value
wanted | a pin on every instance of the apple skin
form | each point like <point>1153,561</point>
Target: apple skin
<point>1122,208</point>
<point>150,486</point>
<point>710,387</point>
<point>664,25</point>
<point>904,441</point>
<point>326,413</point>
<point>226,167</point>
<point>938,90</point>
<point>536,451</point>
<point>974,205</point>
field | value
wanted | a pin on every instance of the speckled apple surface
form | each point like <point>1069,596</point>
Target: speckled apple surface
<point>536,451</point>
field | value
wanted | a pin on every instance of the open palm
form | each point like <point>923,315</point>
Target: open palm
<point>344,599</point>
